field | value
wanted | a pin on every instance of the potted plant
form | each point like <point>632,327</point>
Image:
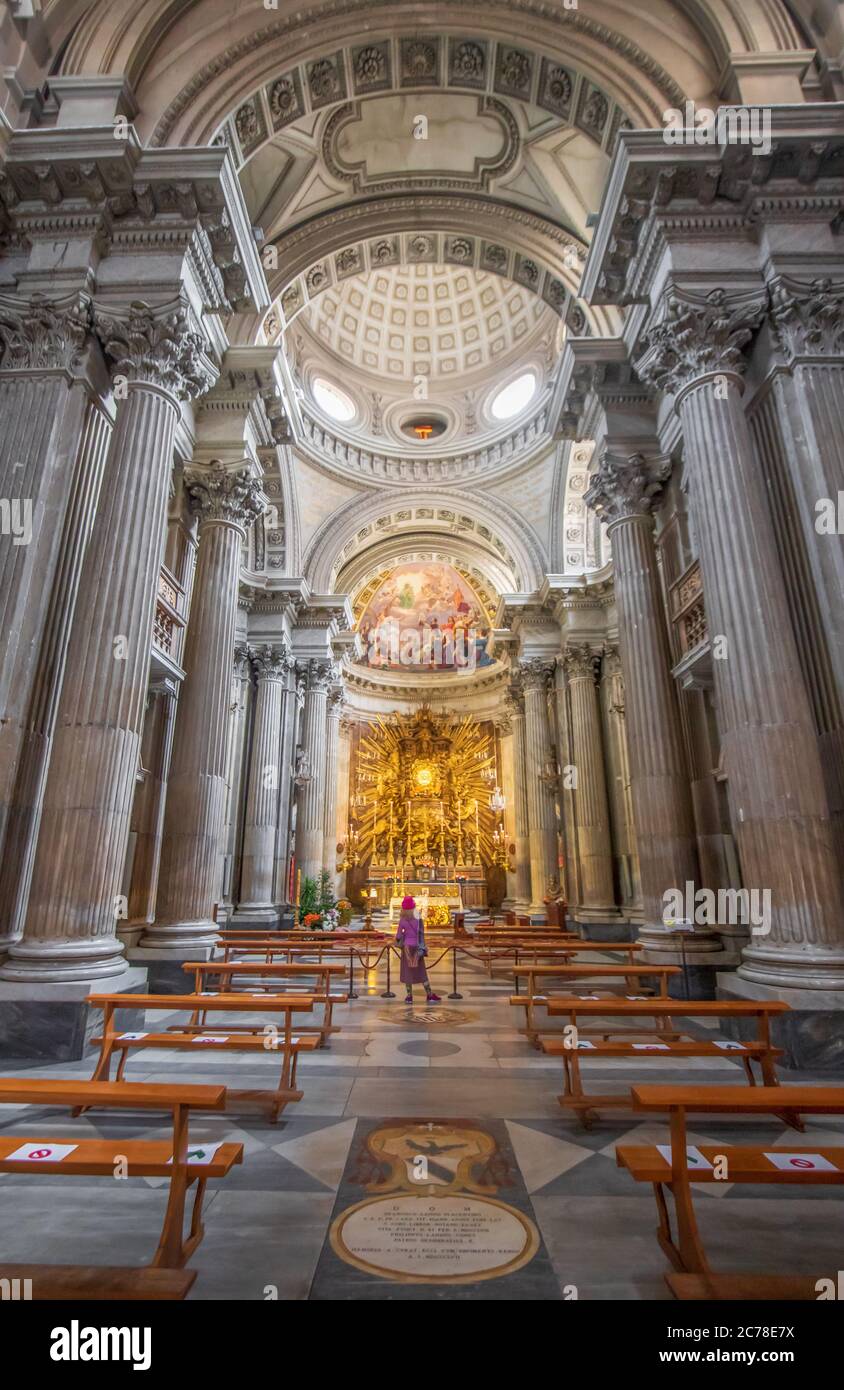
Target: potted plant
<point>344,908</point>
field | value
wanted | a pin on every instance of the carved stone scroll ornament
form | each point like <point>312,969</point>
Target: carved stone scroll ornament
<point>623,487</point>
<point>699,338</point>
<point>42,334</point>
<point>218,493</point>
<point>157,347</point>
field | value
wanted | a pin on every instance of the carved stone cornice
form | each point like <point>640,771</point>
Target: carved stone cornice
<point>580,662</point>
<point>271,663</point>
<point>157,347</point>
<point>224,494</point>
<point>700,337</point>
<point>43,335</point>
<point>622,488</point>
<point>808,316</point>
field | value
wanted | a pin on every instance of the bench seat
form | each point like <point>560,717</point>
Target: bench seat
<point>101,1283</point>
<point>556,1047</point>
<point>229,1042</point>
<point>145,1158</point>
<point>745,1163</point>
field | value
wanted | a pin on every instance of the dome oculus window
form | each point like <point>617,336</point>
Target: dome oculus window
<point>332,401</point>
<point>514,396</point>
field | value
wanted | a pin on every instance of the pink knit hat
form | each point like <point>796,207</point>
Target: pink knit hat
<point>408,904</point>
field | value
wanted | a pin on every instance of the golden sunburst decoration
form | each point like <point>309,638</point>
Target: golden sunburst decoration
<point>423,780</point>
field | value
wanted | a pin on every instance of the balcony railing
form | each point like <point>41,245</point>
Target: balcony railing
<point>169,621</point>
<point>688,611</point>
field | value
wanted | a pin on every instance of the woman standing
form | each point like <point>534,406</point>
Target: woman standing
<point>411,937</point>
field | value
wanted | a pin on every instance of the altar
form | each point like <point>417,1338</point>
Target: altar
<point>425,813</point>
<point>423,894</point>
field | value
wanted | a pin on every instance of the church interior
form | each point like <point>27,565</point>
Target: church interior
<point>422,651</point>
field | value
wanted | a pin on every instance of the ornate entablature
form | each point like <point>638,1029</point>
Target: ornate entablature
<point>723,192</point>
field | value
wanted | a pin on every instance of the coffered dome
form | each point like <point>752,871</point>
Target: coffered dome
<point>438,321</point>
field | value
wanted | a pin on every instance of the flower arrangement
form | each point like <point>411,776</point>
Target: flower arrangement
<point>312,921</point>
<point>344,907</point>
<point>331,919</point>
<point>438,915</point>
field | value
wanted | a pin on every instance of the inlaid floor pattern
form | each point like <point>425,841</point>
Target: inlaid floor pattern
<point>269,1224</point>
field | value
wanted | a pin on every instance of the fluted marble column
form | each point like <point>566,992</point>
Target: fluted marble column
<point>540,781</point>
<point>271,665</point>
<point>623,492</point>
<point>290,702</point>
<point>770,753</point>
<point>241,685</point>
<point>597,900</point>
<point>147,821</point>
<point>521,825</point>
<point>73,903</point>
<point>227,500</point>
<point>620,798</point>
<point>333,711</point>
<point>310,823</point>
<point>55,437</point>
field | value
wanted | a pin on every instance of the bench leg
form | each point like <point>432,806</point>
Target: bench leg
<point>121,1065</point>
<point>171,1252</point>
<point>663,1230</point>
<point>197,1229</point>
<point>688,1240</point>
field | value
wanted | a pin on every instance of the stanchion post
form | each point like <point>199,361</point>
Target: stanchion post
<point>454,994</point>
<point>352,991</point>
<point>388,992</point>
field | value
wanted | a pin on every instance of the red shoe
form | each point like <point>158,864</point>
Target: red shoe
<point>433,999</point>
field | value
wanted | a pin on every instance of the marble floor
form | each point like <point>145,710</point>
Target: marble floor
<point>464,1077</point>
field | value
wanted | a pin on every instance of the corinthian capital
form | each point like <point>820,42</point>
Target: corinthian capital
<point>320,675</point>
<point>580,662</point>
<point>625,487</point>
<point>41,334</point>
<point>157,347</point>
<point>808,318</point>
<point>536,673</point>
<point>271,663</point>
<point>699,338</point>
<point>224,494</point>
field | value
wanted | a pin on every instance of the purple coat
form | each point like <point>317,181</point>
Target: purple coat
<point>411,937</point>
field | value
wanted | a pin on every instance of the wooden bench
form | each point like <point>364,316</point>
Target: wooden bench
<point>744,1163</point>
<point>223,972</point>
<point>279,1040</point>
<point>573,1048</point>
<point>97,1283</point>
<point>629,976</point>
<point>172,1158</point>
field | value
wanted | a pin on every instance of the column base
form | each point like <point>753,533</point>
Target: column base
<point>56,961</point>
<point>179,936</point>
<point>784,967</point>
<point>605,931</point>
<point>164,966</point>
<point>262,914</point>
<point>54,1022</point>
<point>697,953</point>
<point>811,1035</point>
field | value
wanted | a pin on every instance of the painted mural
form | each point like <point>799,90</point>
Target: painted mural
<point>425,616</point>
